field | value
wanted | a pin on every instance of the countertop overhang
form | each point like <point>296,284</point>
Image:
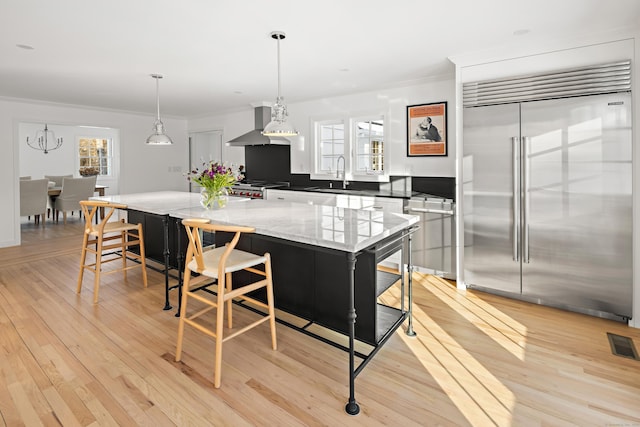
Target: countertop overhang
<point>343,229</point>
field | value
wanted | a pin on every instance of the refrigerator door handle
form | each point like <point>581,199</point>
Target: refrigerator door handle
<point>516,198</point>
<point>526,141</point>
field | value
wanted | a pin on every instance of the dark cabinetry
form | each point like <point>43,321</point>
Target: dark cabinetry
<point>312,283</point>
<point>158,229</point>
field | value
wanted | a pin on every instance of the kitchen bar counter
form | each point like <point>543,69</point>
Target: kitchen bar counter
<point>349,230</point>
<point>324,259</point>
<point>327,226</point>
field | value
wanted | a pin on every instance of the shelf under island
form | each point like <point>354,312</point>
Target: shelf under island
<point>324,258</point>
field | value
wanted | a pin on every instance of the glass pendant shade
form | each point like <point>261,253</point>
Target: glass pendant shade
<point>158,137</point>
<point>278,125</point>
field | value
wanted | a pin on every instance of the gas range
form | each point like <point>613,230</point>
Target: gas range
<point>254,189</point>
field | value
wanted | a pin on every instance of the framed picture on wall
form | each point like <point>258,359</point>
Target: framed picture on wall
<point>427,129</point>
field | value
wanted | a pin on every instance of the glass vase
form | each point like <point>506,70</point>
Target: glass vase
<point>212,198</point>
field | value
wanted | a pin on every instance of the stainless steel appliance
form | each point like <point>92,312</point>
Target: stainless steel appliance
<point>433,243</point>
<point>253,189</point>
<point>262,116</point>
<point>547,202</point>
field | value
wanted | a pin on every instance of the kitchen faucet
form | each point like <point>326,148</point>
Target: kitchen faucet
<point>344,172</point>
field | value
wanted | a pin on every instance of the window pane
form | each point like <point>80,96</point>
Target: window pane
<point>94,155</point>
<point>326,148</point>
<point>326,164</point>
<point>326,132</point>
<point>338,148</point>
<point>338,132</point>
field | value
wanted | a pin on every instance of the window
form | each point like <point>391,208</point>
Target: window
<point>369,137</point>
<point>331,146</point>
<point>360,144</point>
<point>95,156</point>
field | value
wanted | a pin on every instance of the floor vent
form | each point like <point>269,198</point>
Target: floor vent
<point>622,346</point>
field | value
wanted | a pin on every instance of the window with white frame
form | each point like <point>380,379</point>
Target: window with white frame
<point>331,146</point>
<point>95,156</point>
<point>369,145</point>
<point>361,143</point>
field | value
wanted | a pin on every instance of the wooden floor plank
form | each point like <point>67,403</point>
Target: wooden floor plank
<point>477,360</point>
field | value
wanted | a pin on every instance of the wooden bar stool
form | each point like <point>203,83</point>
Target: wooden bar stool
<point>98,240</point>
<point>219,263</point>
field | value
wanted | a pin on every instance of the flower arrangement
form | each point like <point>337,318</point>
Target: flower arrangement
<point>215,179</point>
<point>89,171</point>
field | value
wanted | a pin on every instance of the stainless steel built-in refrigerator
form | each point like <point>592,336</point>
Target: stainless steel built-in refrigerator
<point>548,202</point>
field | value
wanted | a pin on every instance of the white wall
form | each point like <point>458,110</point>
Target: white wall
<point>232,125</point>
<point>392,102</point>
<point>142,167</point>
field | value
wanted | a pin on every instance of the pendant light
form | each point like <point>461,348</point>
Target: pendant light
<point>45,141</point>
<point>278,125</point>
<point>158,137</point>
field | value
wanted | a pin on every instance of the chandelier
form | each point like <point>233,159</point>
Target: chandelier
<point>43,139</point>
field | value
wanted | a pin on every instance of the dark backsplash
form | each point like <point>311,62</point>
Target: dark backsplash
<point>270,163</point>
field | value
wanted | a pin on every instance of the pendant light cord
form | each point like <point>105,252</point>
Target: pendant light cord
<point>278,38</point>
<point>158,95</point>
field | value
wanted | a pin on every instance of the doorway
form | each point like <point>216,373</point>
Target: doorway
<point>204,147</point>
<point>78,152</point>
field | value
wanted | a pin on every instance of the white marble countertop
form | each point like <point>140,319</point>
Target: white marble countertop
<point>344,229</point>
<point>158,202</point>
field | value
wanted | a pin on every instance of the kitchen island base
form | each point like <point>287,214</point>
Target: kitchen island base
<point>310,283</point>
<point>325,259</point>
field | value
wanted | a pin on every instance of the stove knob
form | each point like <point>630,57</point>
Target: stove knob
<point>256,195</point>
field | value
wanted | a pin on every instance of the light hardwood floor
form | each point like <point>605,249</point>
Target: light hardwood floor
<point>478,359</point>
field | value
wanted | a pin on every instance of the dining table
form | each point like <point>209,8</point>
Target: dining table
<point>54,191</point>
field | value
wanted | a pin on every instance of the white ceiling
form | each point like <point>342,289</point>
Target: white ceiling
<point>217,55</point>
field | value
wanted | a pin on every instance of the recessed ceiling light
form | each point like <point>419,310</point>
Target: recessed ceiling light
<point>25,46</point>
<point>521,32</point>
<point>344,69</point>
<point>237,92</point>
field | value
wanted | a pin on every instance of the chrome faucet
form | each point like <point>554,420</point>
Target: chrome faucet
<point>344,172</point>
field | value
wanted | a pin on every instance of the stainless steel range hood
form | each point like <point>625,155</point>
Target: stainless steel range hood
<point>255,137</point>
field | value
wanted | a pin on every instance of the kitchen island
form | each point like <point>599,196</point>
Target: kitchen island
<point>324,258</point>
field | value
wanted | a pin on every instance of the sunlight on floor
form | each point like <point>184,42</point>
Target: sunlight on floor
<point>476,392</point>
<point>504,330</point>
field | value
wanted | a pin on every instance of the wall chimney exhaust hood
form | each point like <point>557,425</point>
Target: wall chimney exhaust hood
<point>255,137</point>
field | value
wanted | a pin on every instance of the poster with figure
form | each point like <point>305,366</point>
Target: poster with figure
<point>427,129</point>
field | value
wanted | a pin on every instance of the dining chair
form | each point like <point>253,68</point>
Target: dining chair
<point>34,194</point>
<point>73,191</point>
<point>57,179</point>
<point>109,241</point>
<point>219,263</point>
<point>57,182</point>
